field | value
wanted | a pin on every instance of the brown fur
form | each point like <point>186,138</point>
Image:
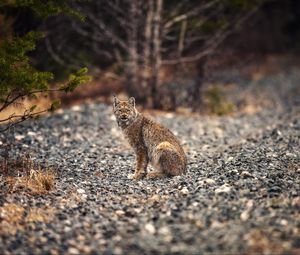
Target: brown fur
<point>151,143</point>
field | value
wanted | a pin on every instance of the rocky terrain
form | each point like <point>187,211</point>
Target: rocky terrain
<point>240,196</point>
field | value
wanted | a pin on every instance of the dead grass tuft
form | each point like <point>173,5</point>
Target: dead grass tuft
<point>23,174</point>
<point>40,214</point>
<point>15,218</point>
<point>38,182</point>
<point>11,218</point>
<point>266,242</point>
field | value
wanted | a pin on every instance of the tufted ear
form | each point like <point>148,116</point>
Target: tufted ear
<point>132,101</point>
<point>116,101</point>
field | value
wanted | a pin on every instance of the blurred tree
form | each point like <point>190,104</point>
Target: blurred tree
<point>18,78</point>
<point>141,37</point>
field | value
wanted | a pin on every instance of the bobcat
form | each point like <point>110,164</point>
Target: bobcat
<point>151,142</point>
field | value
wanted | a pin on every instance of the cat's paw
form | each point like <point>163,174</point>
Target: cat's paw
<point>156,175</point>
<point>137,176</point>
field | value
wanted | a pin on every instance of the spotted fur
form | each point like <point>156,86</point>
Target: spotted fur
<point>151,142</point>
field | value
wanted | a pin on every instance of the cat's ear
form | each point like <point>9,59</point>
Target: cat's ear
<point>116,101</point>
<point>132,101</point>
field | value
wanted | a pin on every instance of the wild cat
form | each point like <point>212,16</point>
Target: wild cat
<point>151,142</point>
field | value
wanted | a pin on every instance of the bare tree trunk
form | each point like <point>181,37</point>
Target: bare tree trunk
<point>201,75</point>
<point>132,65</point>
<point>156,65</point>
<point>147,52</point>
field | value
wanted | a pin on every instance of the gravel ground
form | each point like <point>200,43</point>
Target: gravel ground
<point>240,196</point>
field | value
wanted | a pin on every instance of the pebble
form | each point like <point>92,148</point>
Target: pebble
<point>246,174</point>
<point>184,191</point>
<point>223,189</point>
<point>150,228</point>
<point>241,175</point>
<point>209,181</point>
<point>81,191</point>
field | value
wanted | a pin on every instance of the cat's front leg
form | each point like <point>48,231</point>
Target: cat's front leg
<point>141,165</point>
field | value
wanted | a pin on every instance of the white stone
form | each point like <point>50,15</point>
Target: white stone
<point>218,132</point>
<point>246,174</point>
<point>73,251</point>
<point>164,231</point>
<point>80,191</point>
<point>244,215</point>
<point>130,176</point>
<point>229,159</point>
<point>19,137</point>
<point>149,227</point>
<point>223,189</point>
<point>120,212</point>
<point>234,171</point>
<point>209,181</point>
<point>169,115</point>
<point>76,108</point>
<point>184,191</point>
<point>30,133</point>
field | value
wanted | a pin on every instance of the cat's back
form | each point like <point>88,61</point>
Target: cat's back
<point>155,133</point>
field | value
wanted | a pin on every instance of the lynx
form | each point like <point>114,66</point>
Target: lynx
<point>150,141</point>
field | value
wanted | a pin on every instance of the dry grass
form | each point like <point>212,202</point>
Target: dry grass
<point>15,218</point>
<point>23,174</point>
<point>37,182</point>
<point>45,214</point>
<point>11,218</point>
<point>265,241</point>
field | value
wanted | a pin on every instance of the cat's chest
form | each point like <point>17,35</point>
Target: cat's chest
<point>133,136</point>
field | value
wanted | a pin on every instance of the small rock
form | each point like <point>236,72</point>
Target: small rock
<point>76,108</point>
<point>164,230</point>
<point>118,250</point>
<point>130,176</point>
<point>246,174</point>
<point>209,181</point>
<point>216,224</point>
<point>218,132</point>
<point>73,251</point>
<point>154,199</point>
<point>166,233</point>
<point>234,172</point>
<point>199,224</point>
<point>245,215</point>
<point>284,222</point>
<point>275,189</point>
<point>120,213</point>
<point>296,201</point>
<point>184,191</point>
<point>80,191</point>
<point>223,189</point>
<point>229,159</point>
<point>150,228</point>
<point>19,137</point>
